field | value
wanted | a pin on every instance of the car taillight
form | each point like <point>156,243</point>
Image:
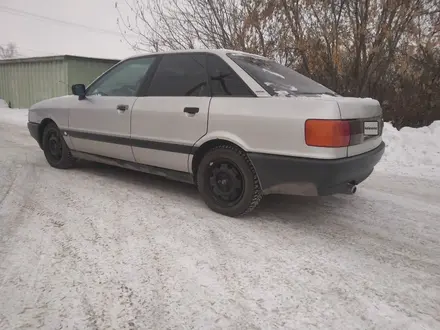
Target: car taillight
<point>327,133</point>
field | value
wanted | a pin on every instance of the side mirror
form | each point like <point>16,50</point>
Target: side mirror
<point>80,90</point>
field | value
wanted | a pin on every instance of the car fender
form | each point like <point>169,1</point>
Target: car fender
<point>216,135</point>
<point>222,135</point>
<point>55,109</point>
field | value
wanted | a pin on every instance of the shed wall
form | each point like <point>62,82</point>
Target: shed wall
<point>26,83</point>
<point>84,71</point>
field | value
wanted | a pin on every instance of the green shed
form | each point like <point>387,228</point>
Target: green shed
<point>25,81</point>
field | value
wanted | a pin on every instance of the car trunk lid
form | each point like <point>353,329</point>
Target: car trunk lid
<point>366,123</point>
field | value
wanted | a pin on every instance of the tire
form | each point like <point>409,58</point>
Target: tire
<point>55,149</point>
<point>218,177</point>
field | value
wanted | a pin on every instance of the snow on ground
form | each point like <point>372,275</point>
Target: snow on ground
<point>98,247</point>
<point>13,116</point>
<point>3,104</point>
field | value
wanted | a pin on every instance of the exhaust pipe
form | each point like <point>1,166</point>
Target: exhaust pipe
<point>350,189</point>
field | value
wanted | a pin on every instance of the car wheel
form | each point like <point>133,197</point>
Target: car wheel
<point>227,181</point>
<point>55,149</point>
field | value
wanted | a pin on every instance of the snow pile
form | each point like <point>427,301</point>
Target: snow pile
<point>14,116</point>
<point>412,150</point>
<point>3,104</point>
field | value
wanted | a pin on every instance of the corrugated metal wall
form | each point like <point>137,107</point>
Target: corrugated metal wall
<point>24,82</point>
<point>84,71</point>
<point>27,82</point>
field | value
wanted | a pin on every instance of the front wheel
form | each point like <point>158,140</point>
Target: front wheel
<point>55,149</point>
<point>227,181</point>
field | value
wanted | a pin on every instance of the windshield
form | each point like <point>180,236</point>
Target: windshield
<point>278,79</point>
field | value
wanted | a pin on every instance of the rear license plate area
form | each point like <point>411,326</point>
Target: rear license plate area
<point>371,128</point>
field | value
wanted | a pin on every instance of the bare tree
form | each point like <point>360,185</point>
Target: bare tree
<point>379,48</point>
<point>183,24</point>
<point>8,51</point>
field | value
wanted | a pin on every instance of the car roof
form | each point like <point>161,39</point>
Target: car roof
<point>212,51</point>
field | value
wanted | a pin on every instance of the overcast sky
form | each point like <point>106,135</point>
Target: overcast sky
<point>37,36</point>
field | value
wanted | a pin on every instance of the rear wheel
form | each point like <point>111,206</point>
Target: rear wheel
<point>55,149</point>
<point>228,182</point>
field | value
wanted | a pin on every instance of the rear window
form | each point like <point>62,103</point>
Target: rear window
<point>278,79</point>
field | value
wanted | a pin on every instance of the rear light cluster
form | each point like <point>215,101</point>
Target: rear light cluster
<point>327,133</point>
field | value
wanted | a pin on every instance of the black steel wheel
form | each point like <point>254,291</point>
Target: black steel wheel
<point>228,182</point>
<point>55,149</point>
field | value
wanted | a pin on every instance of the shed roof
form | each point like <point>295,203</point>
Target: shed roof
<point>56,58</point>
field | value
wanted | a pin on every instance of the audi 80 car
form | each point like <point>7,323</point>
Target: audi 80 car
<point>237,125</point>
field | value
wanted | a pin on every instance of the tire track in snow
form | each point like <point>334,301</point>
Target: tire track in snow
<point>99,238</point>
<point>17,201</point>
<point>8,188</point>
<point>410,266</point>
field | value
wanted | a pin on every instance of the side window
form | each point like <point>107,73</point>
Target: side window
<point>180,75</point>
<point>124,79</point>
<point>224,81</point>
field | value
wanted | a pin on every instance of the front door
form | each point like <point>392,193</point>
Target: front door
<point>100,123</point>
<point>173,113</point>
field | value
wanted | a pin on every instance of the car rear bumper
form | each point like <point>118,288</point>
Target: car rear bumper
<point>33,130</point>
<point>313,177</point>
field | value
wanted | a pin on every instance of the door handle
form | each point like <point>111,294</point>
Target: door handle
<point>122,107</point>
<point>191,110</point>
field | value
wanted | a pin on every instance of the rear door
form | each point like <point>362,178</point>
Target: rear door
<point>100,123</point>
<point>172,113</point>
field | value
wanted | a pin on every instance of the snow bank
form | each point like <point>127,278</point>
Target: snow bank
<point>412,150</point>
<point>3,104</point>
<point>14,116</point>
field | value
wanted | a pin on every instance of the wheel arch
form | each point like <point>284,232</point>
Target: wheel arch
<point>251,196</point>
<point>41,128</point>
<point>209,145</point>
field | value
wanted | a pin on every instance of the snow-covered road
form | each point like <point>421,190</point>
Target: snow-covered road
<point>105,248</point>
